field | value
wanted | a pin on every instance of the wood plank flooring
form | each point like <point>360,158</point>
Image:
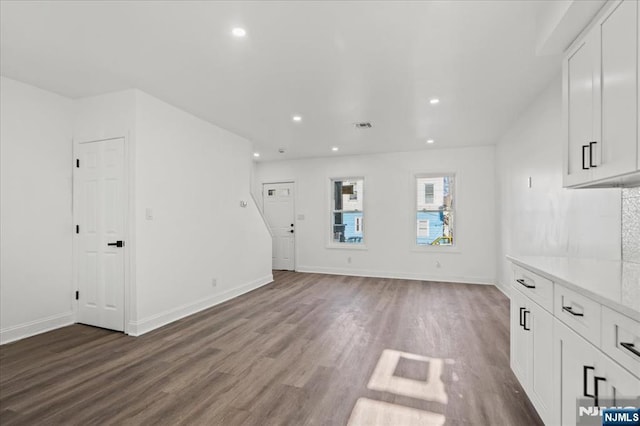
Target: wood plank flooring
<point>301,350</point>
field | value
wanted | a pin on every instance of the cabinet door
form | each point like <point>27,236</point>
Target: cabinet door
<point>576,354</point>
<point>519,344</point>
<point>616,149</point>
<point>581,85</point>
<point>617,384</point>
<point>540,362</point>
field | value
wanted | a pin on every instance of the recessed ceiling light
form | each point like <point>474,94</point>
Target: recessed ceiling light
<point>335,148</point>
<point>256,154</point>
<point>239,32</point>
<point>297,118</point>
<point>434,101</point>
<point>430,141</point>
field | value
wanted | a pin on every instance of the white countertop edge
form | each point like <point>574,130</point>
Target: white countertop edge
<point>625,310</point>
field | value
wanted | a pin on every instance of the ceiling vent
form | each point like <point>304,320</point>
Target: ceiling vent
<point>363,125</point>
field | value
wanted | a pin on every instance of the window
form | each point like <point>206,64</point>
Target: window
<point>428,193</point>
<point>435,210</point>
<point>347,223</point>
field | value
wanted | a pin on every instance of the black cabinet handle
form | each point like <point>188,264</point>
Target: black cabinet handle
<point>586,368</point>
<point>525,320</point>
<point>570,310</point>
<point>596,379</point>
<point>629,346</point>
<point>591,154</point>
<point>291,231</point>
<point>117,244</point>
<point>521,281</point>
<point>521,323</point>
<point>584,147</point>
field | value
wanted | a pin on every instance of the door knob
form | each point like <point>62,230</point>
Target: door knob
<point>117,244</point>
<point>291,231</point>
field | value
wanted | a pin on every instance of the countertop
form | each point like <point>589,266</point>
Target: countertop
<point>614,284</point>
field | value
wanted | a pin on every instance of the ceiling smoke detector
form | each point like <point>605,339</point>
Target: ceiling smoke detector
<point>363,125</point>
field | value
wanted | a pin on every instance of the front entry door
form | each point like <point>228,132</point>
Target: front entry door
<point>99,211</point>
<point>279,210</point>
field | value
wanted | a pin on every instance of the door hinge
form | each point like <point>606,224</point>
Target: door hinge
<point>78,163</point>
<point>77,229</point>
<point>77,295</point>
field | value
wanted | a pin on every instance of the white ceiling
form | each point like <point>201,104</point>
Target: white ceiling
<point>334,63</point>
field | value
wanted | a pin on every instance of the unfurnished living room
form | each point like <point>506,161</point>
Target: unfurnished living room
<point>375,213</point>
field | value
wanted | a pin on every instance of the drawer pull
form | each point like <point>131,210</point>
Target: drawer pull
<point>521,281</point>
<point>570,310</point>
<point>630,347</point>
<point>521,323</point>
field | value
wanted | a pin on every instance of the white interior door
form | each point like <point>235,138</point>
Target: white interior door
<point>100,196</point>
<point>279,210</point>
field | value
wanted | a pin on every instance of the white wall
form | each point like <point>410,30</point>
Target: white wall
<point>35,210</point>
<point>390,214</point>
<point>192,173</point>
<point>193,176</point>
<point>547,219</point>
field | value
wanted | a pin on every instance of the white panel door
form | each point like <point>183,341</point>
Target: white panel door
<point>619,92</point>
<point>100,216</point>
<point>278,199</point>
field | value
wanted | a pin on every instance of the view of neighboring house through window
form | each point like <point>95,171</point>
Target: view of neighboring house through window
<point>347,224</point>
<point>434,210</point>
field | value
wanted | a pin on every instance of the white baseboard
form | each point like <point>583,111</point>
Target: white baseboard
<point>145,325</point>
<point>31,328</point>
<point>504,290</point>
<point>394,275</point>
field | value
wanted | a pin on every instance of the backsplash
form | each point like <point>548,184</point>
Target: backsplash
<point>631,225</point>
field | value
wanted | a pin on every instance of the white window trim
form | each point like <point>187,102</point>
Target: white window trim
<point>329,226</point>
<point>415,247</point>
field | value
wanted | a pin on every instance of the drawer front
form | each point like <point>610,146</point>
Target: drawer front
<point>621,339</point>
<point>537,288</point>
<point>578,312</point>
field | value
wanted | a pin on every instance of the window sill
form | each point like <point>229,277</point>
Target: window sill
<point>347,246</point>
<point>436,249</point>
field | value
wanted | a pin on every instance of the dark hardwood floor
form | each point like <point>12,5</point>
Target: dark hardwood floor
<point>301,350</point>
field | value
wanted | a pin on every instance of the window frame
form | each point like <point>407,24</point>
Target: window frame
<point>455,247</point>
<point>331,244</point>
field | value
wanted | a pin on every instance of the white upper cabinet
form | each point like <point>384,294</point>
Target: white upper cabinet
<point>618,151</point>
<point>581,92</point>
<point>600,101</point>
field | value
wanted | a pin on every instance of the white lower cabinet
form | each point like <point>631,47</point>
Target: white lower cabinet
<point>570,351</point>
<point>531,355</point>
<point>588,374</point>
